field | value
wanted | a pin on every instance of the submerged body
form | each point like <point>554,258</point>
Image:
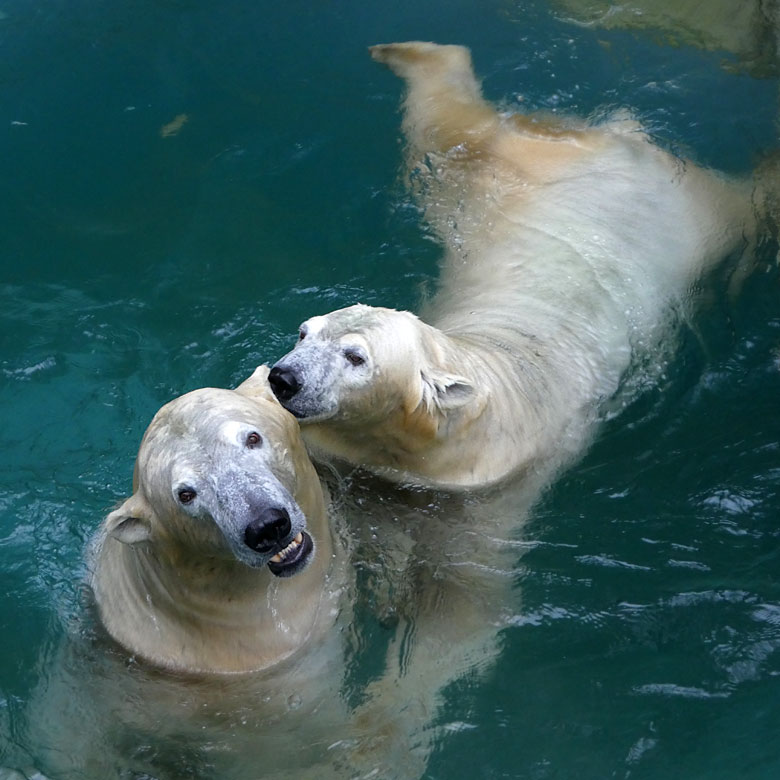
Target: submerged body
<point>566,247</point>
<point>226,585</point>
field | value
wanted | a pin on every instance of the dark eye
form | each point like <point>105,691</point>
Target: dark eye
<point>301,334</point>
<point>253,440</point>
<point>186,495</point>
<point>354,357</point>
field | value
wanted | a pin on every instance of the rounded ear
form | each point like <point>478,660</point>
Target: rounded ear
<point>256,386</point>
<point>445,391</point>
<point>131,523</point>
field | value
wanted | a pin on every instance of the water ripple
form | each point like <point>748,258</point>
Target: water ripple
<point>607,561</point>
<point>671,689</point>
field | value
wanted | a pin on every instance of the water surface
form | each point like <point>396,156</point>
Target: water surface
<point>186,181</point>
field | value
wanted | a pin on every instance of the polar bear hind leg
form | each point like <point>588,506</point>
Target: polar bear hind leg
<point>446,114</point>
<point>444,104</point>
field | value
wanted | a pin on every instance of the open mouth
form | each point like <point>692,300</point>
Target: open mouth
<point>292,558</point>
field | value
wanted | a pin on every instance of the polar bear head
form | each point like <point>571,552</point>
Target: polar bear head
<point>224,474</point>
<point>363,368</point>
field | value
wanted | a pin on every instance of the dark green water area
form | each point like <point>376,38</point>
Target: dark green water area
<point>185,181</point>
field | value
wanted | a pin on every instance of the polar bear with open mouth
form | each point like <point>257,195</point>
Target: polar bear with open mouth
<point>225,583</point>
<point>567,246</point>
<point>225,502</point>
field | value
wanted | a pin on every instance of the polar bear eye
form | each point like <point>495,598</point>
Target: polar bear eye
<point>186,495</point>
<point>253,440</point>
<point>301,334</point>
<point>354,357</point>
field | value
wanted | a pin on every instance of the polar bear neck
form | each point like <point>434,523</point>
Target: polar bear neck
<point>210,615</point>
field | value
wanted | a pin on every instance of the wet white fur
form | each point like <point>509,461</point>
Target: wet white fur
<point>566,246</point>
<point>176,585</point>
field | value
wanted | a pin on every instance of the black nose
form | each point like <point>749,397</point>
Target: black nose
<point>284,382</point>
<point>267,531</point>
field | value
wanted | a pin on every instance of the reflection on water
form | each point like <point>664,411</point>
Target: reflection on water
<point>746,31</point>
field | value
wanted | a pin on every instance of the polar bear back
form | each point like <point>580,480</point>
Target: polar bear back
<point>569,248</point>
<point>638,223</point>
<point>587,240</point>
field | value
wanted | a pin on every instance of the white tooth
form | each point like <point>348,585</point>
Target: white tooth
<point>282,554</point>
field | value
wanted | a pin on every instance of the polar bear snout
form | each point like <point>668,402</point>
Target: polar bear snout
<point>284,382</point>
<point>304,382</point>
<point>270,534</point>
<point>267,532</point>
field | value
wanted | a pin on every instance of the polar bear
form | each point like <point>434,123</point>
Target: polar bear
<point>226,505</point>
<point>567,244</point>
<point>226,584</point>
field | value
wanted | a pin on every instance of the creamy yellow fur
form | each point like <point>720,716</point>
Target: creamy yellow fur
<point>167,586</point>
<point>567,245</point>
<point>221,669</point>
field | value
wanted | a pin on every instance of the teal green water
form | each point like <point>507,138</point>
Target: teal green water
<point>135,267</point>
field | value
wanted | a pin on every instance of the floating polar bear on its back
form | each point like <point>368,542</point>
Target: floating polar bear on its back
<point>566,243</point>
